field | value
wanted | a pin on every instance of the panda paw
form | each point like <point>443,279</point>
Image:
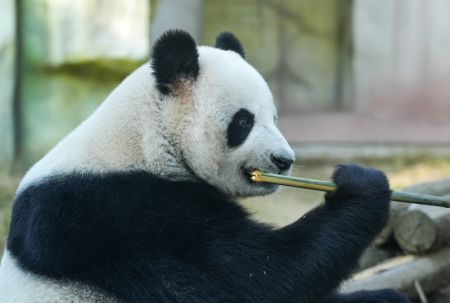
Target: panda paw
<point>363,185</point>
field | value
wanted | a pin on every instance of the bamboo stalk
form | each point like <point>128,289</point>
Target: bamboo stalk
<point>399,196</point>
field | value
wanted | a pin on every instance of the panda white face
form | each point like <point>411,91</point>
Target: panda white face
<point>222,117</point>
<point>234,131</point>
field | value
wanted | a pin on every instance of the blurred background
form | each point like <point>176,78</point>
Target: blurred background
<point>365,81</point>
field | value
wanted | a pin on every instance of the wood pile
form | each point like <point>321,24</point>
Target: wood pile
<point>412,254</point>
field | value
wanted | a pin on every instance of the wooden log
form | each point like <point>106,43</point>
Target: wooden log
<point>439,188</point>
<point>422,228</point>
<point>431,271</point>
<point>375,255</point>
<point>386,236</point>
<point>440,296</point>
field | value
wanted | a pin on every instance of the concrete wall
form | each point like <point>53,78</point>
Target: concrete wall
<point>293,44</point>
<point>402,59</point>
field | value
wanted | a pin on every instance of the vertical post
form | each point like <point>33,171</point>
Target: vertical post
<point>344,68</point>
<point>17,91</point>
<point>174,14</point>
<point>7,40</point>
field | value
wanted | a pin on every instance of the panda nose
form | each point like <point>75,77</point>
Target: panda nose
<point>281,162</point>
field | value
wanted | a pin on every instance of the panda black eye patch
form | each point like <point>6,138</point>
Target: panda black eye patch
<point>240,127</point>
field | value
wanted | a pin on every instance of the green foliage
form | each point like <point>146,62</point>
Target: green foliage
<point>56,99</point>
<point>8,186</point>
<point>98,70</point>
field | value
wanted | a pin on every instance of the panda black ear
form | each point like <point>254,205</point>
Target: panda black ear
<point>228,41</point>
<point>174,59</point>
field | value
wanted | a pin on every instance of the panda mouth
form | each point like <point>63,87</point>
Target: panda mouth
<point>246,172</point>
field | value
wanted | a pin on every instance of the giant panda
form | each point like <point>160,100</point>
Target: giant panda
<point>137,204</point>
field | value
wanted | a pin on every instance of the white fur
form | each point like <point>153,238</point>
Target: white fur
<point>18,286</point>
<point>126,133</point>
<point>226,84</point>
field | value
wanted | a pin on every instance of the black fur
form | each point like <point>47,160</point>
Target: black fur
<point>228,41</point>
<point>374,296</point>
<point>144,239</point>
<point>174,58</point>
<point>236,132</point>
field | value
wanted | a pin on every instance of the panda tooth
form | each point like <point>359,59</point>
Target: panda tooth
<point>256,176</point>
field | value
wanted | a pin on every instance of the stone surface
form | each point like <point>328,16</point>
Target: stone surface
<point>76,53</point>
<point>294,45</point>
<point>363,128</point>
<point>64,31</point>
<point>54,104</point>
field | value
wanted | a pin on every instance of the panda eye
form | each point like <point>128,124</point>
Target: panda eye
<point>244,122</point>
<point>240,127</point>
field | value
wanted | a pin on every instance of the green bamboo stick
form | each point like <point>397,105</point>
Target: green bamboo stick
<point>399,196</point>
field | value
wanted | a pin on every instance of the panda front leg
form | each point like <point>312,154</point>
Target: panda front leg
<point>331,238</point>
<point>311,257</point>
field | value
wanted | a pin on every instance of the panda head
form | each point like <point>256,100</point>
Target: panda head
<point>218,112</point>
